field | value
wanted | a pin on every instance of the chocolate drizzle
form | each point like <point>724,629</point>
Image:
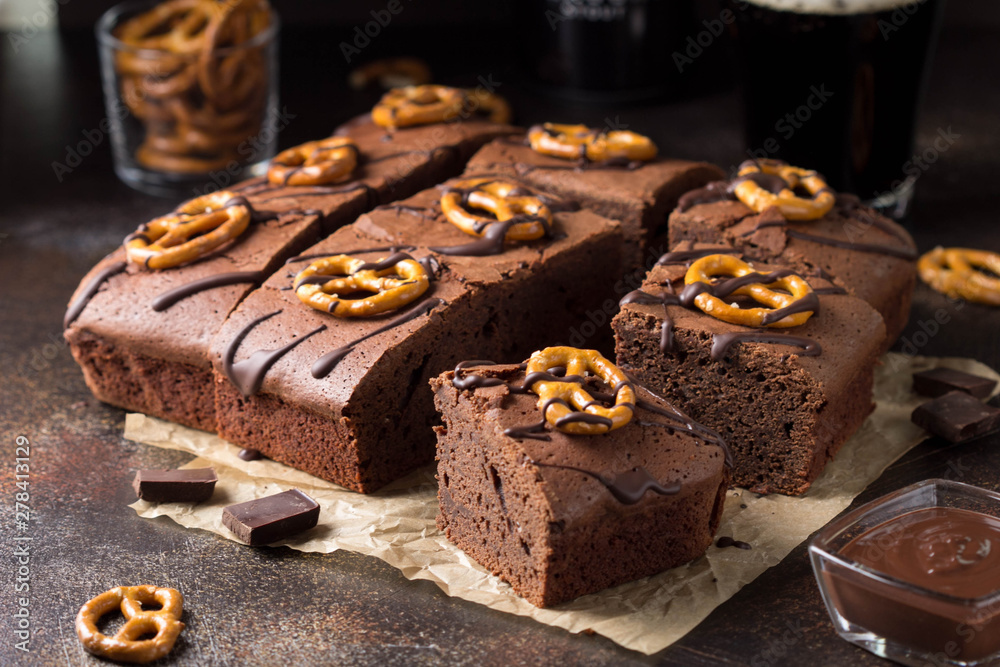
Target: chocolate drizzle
<point>721,290</point>
<point>248,454</point>
<point>722,342</point>
<point>892,251</point>
<point>678,421</point>
<point>688,256</point>
<point>361,251</point>
<point>726,541</point>
<point>80,302</point>
<point>492,241</point>
<point>325,364</point>
<point>248,375</point>
<point>627,487</point>
<point>169,298</point>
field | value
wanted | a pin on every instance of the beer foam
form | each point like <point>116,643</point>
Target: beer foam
<point>839,7</point>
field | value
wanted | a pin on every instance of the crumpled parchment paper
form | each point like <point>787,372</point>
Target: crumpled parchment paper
<point>397,525</point>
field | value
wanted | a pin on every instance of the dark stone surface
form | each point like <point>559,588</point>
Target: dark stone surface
<point>267,606</point>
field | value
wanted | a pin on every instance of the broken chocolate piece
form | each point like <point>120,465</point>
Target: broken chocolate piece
<point>175,486</point>
<point>267,520</point>
<point>939,381</point>
<point>957,417</point>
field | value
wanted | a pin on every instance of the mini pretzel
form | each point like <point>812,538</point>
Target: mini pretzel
<point>957,273</point>
<point>791,205</point>
<point>702,271</point>
<point>391,73</point>
<point>418,105</point>
<point>176,26</point>
<point>497,198</point>
<point>314,163</point>
<point>491,105</point>
<point>556,398</point>
<point>125,645</point>
<point>572,142</point>
<point>194,230</point>
<point>347,276</point>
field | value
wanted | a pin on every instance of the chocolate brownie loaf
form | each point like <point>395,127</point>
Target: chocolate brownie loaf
<point>639,194</point>
<point>852,245</point>
<point>144,347</point>
<point>571,514</point>
<point>784,400</point>
<point>346,398</point>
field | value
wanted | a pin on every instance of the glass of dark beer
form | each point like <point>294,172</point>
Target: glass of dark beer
<point>835,85</point>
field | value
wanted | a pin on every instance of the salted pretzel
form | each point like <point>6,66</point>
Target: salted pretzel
<point>418,105</point>
<point>314,163</point>
<point>702,271</point>
<point>792,206</point>
<point>558,399</point>
<point>194,72</point>
<point>959,273</point>
<point>393,287</point>
<point>391,73</point>
<point>495,196</point>
<point>572,142</point>
<point>176,26</point>
<point>196,228</point>
<point>125,645</point>
<point>488,104</point>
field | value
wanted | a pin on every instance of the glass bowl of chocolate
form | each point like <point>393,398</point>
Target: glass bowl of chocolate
<point>915,575</point>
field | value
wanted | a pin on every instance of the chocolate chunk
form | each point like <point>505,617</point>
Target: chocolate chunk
<point>939,381</point>
<point>267,520</point>
<point>957,417</point>
<point>175,486</point>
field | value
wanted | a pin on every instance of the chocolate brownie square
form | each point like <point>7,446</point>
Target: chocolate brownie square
<point>640,196</point>
<point>367,419</point>
<point>572,514</point>
<point>785,400</point>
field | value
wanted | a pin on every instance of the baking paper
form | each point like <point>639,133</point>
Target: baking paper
<point>397,525</point>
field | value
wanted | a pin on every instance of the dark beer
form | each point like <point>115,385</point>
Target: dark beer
<point>610,50</point>
<point>835,85</point>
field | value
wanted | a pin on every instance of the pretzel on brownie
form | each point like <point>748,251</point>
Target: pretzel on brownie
<point>324,284</point>
<point>791,205</point>
<point>572,142</point>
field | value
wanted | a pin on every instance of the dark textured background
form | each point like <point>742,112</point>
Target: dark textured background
<point>269,606</point>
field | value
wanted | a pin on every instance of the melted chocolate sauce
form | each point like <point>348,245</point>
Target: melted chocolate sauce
<point>80,302</point>
<point>325,364</point>
<point>248,375</point>
<point>722,342</point>
<point>473,381</point>
<point>169,298</point>
<point>491,243</point>
<point>248,454</point>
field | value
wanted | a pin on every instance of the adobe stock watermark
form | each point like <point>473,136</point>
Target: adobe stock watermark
<point>695,45</point>
<point>21,543</point>
<point>251,150</point>
<point>917,165</point>
<point>38,22</point>
<point>586,10</point>
<point>786,126</point>
<point>363,35</point>
<point>898,18</point>
<point>473,102</point>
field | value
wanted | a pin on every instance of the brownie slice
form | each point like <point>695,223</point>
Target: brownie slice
<point>369,420</point>
<point>784,413</point>
<point>156,362</point>
<point>640,197</point>
<point>855,247</point>
<point>564,517</point>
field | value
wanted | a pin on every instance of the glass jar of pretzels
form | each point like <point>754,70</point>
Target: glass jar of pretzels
<point>190,89</point>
